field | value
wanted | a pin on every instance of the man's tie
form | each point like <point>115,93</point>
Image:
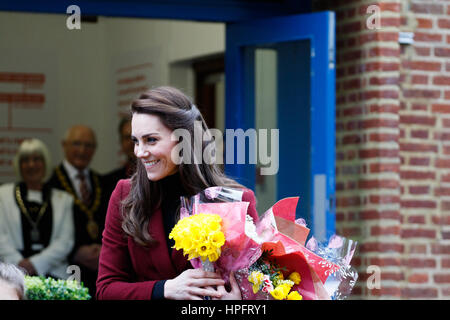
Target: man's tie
<point>86,195</point>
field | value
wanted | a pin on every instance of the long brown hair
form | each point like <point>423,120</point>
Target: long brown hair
<point>176,111</point>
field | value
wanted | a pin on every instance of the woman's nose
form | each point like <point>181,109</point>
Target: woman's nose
<point>140,152</point>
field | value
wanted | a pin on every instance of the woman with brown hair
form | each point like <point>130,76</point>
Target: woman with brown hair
<point>137,260</point>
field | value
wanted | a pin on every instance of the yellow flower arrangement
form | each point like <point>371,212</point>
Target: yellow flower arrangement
<point>199,235</point>
<point>266,276</point>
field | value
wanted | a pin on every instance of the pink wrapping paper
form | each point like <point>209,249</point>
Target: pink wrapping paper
<point>239,250</point>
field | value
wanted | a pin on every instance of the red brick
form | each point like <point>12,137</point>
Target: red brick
<point>422,51</point>
<point>418,233</point>
<point>376,215</point>
<point>383,81</point>
<point>386,291</point>
<point>352,84</point>
<point>445,263</point>
<point>419,189</point>
<point>424,23</point>
<point>378,153</point>
<point>415,119</point>
<point>378,37</point>
<point>429,8</point>
<point>440,249</point>
<point>440,108</point>
<point>421,93</point>
<point>417,175</point>
<point>419,107</point>
<point>381,66</point>
<point>441,220</point>
<point>442,52</point>
<point>381,247</point>
<point>442,163</point>
<point>351,201</point>
<point>419,161</point>
<point>378,184</point>
<point>416,219</point>
<point>442,191</point>
<point>441,278</point>
<point>389,6</point>
<point>444,23</point>
<point>377,199</point>
<point>352,139</point>
<point>419,263</point>
<point>424,65</point>
<point>384,167</point>
<point>378,123</point>
<point>379,94</point>
<point>416,204</point>
<point>385,262</point>
<point>384,231</point>
<point>417,248</point>
<point>418,147</point>
<point>384,52</point>
<point>350,232</point>
<point>383,137</point>
<point>419,134</point>
<point>418,278</point>
<point>443,136</point>
<point>441,80</point>
<point>427,37</point>
<point>419,79</point>
<point>384,108</point>
<point>419,292</point>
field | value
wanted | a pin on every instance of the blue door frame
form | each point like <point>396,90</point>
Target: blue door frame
<point>319,30</point>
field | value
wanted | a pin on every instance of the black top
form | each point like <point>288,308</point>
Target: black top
<point>171,190</point>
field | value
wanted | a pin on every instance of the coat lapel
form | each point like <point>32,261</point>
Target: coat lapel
<point>159,252</point>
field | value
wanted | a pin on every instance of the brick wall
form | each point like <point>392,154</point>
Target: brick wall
<point>393,144</point>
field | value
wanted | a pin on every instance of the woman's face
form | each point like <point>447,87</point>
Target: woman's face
<point>153,145</point>
<point>32,168</point>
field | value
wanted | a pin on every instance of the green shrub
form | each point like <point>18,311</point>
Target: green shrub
<point>40,288</point>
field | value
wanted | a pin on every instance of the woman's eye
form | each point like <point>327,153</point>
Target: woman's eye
<point>151,140</point>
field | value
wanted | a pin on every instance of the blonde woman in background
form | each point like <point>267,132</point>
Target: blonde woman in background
<point>36,221</point>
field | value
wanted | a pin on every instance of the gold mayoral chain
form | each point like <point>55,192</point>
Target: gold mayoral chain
<point>92,226</point>
<point>35,235</point>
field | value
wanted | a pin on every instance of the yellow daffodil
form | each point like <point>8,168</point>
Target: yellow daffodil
<point>199,235</point>
<point>279,293</point>
<point>294,295</point>
<point>295,277</point>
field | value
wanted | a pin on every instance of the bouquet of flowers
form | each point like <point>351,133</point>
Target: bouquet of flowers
<point>211,231</point>
<point>266,252</point>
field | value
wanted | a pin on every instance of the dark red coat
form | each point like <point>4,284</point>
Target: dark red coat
<point>128,270</point>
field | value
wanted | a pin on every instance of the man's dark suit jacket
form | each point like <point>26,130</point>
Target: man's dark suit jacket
<point>98,207</point>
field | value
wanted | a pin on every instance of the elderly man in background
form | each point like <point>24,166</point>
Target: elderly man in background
<point>90,200</point>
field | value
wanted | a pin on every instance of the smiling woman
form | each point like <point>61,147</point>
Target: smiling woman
<point>153,148</point>
<point>137,259</point>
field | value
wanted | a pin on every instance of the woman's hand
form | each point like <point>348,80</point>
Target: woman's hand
<point>233,294</point>
<point>193,284</point>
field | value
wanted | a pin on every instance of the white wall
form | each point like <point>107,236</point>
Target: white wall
<point>82,61</point>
